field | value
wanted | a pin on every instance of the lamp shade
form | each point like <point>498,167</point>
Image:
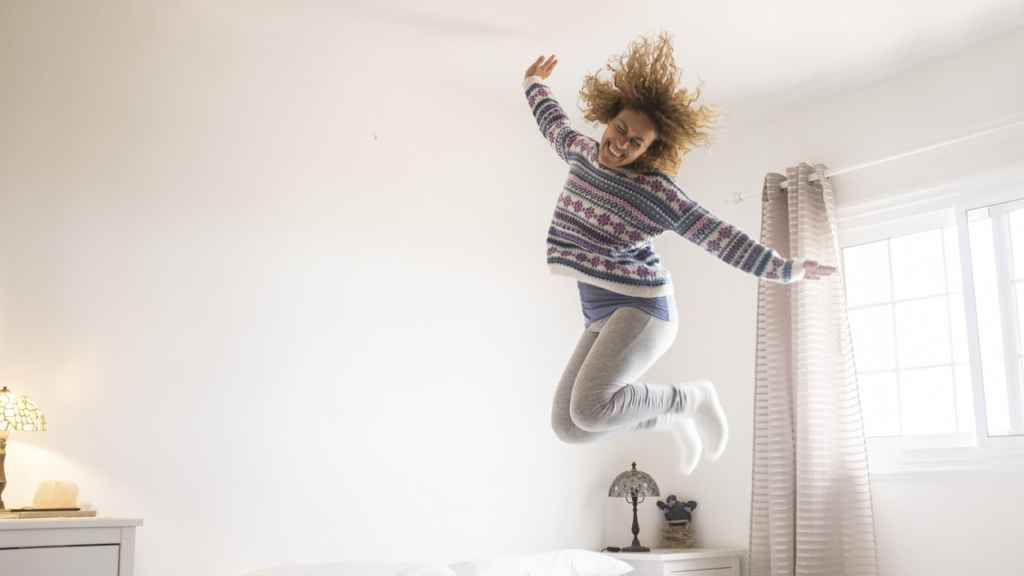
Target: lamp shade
<point>633,483</point>
<point>19,414</point>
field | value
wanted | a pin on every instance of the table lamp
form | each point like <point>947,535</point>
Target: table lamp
<point>17,414</point>
<point>635,486</point>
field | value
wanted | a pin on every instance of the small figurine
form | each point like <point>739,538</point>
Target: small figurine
<point>676,512</point>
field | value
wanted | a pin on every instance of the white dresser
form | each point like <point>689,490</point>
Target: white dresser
<point>68,546</point>
<point>687,562</point>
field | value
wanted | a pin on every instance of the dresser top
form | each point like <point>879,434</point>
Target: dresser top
<point>670,554</point>
<point>59,523</point>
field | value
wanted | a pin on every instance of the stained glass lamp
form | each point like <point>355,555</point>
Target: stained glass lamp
<point>635,486</point>
<point>17,414</point>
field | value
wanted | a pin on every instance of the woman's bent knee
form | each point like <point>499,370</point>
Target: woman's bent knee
<point>587,416</point>
<point>569,433</point>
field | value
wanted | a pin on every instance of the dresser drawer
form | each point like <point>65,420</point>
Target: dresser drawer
<point>50,561</point>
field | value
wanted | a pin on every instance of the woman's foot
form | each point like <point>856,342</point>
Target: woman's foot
<point>690,445</point>
<point>703,406</point>
<point>684,431</point>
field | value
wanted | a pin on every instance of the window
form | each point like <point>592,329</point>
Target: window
<point>935,296</point>
<point>906,313</point>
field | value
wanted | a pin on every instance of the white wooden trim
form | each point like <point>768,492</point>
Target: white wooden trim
<point>949,324</point>
<point>1000,226</point>
<point>669,555</point>
<point>971,323</point>
<point>44,523</point>
<point>992,196</point>
<point>896,460</point>
<point>126,557</point>
<point>853,233</point>
<point>60,537</point>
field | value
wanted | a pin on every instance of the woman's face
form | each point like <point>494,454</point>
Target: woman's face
<point>626,138</point>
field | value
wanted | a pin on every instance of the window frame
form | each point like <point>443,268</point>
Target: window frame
<point>907,214</point>
<point>1005,280</point>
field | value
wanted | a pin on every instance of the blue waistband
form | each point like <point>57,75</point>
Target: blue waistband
<point>599,303</point>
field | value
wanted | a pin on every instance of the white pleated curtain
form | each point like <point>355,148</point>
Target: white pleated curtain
<point>811,502</point>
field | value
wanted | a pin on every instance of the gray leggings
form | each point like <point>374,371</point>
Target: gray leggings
<point>600,393</point>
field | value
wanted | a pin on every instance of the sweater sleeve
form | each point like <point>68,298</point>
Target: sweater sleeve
<point>552,120</point>
<point>730,244</point>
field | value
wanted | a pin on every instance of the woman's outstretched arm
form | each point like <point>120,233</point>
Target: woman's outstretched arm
<point>552,120</point>
<point>735,247</point>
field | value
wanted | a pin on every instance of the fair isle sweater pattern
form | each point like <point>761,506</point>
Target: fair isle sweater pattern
<point>605,219</point>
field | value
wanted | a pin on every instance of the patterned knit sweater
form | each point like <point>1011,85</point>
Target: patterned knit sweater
<point>605,219</point>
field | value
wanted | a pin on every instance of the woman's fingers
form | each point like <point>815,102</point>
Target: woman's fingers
<point>549,65</point>
<point>532,70</point>
<point>542,67</point>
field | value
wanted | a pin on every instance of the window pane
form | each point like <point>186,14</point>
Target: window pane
<point>922,332</point>
<point>958,327</point>
<point>918,265</point>
<point>1017,242</point>
<point>964,398</point>
<point>927,401</point>
<point>873,347</point>
<point>866,274</point>
<point>954,280</point>
<point>880,404</point>
<point>1018,287</point>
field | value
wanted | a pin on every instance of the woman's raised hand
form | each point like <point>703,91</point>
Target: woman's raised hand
<point>542,67</point>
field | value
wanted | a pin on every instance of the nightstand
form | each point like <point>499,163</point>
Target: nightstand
<point>79,546</point>
<point>684,562</point>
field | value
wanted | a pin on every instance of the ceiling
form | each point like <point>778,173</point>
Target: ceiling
<point>740,51</point>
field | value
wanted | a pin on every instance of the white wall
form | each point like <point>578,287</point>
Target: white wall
<point>934,524</point>
<point>275,273</point>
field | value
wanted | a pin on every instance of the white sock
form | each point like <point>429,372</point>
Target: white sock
<point>684,431</point>
<point>690,445</point>
<point>703,406</point>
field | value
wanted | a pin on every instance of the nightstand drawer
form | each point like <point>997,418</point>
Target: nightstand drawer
<point>702,567</point>
<point>685,562</point>
<point>77,560</point>
<point>67,546</point>
<point>725,571</point>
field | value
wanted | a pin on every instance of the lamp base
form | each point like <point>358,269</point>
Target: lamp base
<point>636,549</point>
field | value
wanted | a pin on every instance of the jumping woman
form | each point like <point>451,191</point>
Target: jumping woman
<point>618,197</point>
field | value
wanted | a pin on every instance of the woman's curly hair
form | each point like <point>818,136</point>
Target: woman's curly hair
<point>646,78</point>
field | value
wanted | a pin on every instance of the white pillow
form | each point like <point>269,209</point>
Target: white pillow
<point>557,563</point>
<point>355,570</point>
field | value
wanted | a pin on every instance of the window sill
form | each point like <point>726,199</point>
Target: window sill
<point>893,458</point>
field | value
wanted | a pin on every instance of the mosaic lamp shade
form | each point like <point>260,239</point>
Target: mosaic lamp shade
<point>635,486</point>
<point>17,414</point>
